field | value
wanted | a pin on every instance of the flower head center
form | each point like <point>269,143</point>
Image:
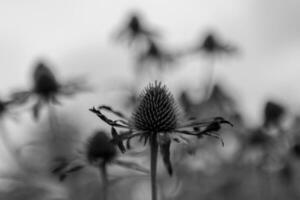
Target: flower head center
<point>156,111</point>
<point>44,80</point>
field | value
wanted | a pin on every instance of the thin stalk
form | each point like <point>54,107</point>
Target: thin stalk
<point>53,122</point>
<point>9,147</point>
<point>210,75</point>
<point>158,71</point>
<point>154,150</point>
<point>104,176</point>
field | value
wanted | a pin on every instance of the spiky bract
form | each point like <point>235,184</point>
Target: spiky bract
<point>156,111</point>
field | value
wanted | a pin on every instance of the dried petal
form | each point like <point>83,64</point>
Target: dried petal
<point>131,165</point>
<point>165,152</point>
<point>118,141</point>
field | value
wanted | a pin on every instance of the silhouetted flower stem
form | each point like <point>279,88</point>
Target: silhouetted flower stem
<point>104,177</point>
<point>53,122</point>
<point>210,75</point>
<point>154,151</point>
<point>7,144</point>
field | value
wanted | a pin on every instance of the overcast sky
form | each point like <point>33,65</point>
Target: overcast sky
<point>76,37</point>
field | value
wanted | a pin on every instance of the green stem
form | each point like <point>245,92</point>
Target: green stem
<point>154,150</point>
<point>104,176</point>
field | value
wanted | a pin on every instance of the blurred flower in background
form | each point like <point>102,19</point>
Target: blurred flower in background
<point>258,93</point>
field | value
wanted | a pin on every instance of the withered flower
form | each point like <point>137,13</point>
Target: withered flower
<point>135,29</point>
<point>212,45</point>
<point>99,152</point>
<point>156,55</point>
<point>156,118</point>
<point>47,89</point>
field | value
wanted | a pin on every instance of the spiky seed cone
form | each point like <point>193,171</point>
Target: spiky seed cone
<point>99,147</point>
<point>44,80</point>
<point>156,110</point>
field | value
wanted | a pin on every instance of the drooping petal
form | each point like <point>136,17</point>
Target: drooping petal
<point>165,145</point>
<point>116,123</point>
<point>119,142</point>
<point>63,168</point>
<point>21,97</point>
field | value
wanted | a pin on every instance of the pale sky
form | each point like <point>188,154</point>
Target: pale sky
<point>75,36</point>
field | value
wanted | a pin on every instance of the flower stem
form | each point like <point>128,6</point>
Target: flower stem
<point>210,75</point>
<point>104,176</point>
<point>7,144</point>
<point>53,121</point>
<point>154,150</point>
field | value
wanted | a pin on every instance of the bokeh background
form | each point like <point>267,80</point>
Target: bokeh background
<point>77,39</point>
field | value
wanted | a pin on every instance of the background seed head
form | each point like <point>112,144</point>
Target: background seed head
<point>44,80</point>
<point>99,148</point>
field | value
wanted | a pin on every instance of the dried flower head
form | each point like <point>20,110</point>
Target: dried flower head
<point>47,89</point>
<point>99,148</point>
<point>157,55</point>
<point>135,29</point>
<point>157,118</point>
<point>45,83</point>
<point>99,151</point>
<point>212,45</point>
<point>156,111</point>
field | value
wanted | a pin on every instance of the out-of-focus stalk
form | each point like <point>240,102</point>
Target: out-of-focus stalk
<point>154,150</point>
<point>104,177</point>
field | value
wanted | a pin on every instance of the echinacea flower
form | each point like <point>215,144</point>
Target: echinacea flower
<point>135,29</point>
<point>47,89</point>
<point>211,45</point>
<point>98,152</point>
<point>156,55</point>
<point>156,118</point>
